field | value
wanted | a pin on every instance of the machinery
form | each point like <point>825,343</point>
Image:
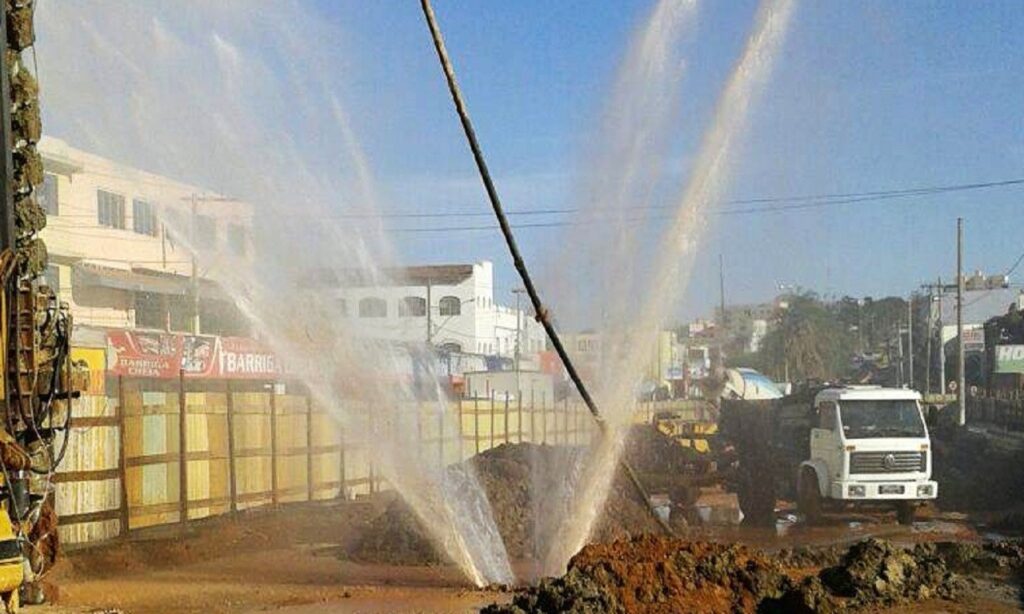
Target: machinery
<point>838,446</point>
<point>37,378</point>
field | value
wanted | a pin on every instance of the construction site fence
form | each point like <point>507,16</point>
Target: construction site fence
<point>149,452</point>
<point>1005,410</point>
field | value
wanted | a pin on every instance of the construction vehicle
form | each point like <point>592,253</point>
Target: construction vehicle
<point>37,378</point>
<point>830,447</point>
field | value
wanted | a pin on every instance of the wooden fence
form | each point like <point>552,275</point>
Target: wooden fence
<point>152,452</point>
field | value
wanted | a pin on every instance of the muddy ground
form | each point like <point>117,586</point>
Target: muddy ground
<point>283,559</point>
<point>369,556</point>
<point>288,560</point>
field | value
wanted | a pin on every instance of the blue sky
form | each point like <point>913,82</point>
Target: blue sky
<point>865,96</point>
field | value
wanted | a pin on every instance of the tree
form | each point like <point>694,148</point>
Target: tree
<point>809,341</point>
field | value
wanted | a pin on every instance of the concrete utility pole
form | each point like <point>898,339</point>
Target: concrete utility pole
<point>961,388</point>
<point>910,340</point>
<point>928,347</point>
<point>430,331</point>
<point>519,341</point>
<point>942,345</point>
<point>194,281</point>
<point>900,375</point>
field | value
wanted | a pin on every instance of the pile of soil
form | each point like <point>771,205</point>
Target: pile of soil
<point>510,474</point>
<point>656,575</point>
<point>977,471</point>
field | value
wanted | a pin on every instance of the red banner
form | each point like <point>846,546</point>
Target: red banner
<point>162,355</point>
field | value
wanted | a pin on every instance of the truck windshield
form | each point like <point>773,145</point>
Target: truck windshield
<point>881,418</point>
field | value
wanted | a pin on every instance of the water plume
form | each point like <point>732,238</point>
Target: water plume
<point>245,103</point>
<point>631,329</point>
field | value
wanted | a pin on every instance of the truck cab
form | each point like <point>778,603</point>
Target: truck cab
<point>868,446</point>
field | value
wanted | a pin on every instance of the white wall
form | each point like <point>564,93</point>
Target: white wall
<point>482,327</point>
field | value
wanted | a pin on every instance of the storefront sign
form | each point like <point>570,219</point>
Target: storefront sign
<point>1009,359</point>
<point>164,355</point>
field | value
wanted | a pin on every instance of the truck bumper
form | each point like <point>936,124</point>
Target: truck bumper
<point>894,490</point>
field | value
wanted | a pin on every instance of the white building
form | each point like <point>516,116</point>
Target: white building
<point>451,306</point>
<point>113,259</point>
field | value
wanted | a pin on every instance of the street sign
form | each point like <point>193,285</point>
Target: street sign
<point>1009,359</point>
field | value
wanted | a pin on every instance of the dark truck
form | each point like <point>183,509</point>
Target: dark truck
<point>827,448</point>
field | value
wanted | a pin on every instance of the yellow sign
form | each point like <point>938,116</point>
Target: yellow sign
<point>96,358</point>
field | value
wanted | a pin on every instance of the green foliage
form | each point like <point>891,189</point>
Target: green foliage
<point>812,339</point>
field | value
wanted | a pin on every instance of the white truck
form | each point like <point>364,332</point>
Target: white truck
<point>833,447</point>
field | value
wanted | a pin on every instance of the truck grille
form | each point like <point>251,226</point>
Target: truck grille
<point>888,462</point>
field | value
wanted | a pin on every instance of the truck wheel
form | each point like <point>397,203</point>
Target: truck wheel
<point>808,496</point>
<point>905,512</point>
<point>756,495</point>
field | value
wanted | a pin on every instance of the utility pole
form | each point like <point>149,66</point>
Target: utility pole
<point>430,324</point>
<point>928,347</point>
<point>900,375</point>
<point>194,281</point>
<point>961,380</point>
<point>942,346</point>
<point>910,340</point>
<point>519,343</point>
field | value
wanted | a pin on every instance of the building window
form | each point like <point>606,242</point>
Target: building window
<point>449,306</point>
<point>450,347</point>
<point>206,232</point>
<point>150,311</point>
<point>412,307</point>
<point>373,308</point>
<point>109,209</point>
<point>342,307</point>
<point>143,218</point>
<point>47,195</point>
<point>237,239</point>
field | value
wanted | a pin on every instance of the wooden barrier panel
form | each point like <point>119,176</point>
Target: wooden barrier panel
<point>160,452</point>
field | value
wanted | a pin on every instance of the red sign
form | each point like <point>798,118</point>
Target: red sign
<point>163,355</point>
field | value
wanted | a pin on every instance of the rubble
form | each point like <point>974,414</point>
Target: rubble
<point>655,574</point>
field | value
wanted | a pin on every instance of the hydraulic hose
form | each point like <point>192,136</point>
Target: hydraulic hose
<point>541,312</point>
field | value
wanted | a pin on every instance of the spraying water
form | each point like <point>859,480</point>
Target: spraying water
<point>630,338</point>
<point>243,102</point>
<point>623,165</point>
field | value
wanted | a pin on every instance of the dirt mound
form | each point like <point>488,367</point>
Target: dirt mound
<point>875,572</point>
<point>509,474</point>
<point>976,471</point>
<point>655,575</point>
<point>648,450</point>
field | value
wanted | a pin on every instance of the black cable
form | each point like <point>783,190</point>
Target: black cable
<point>517,259</point>
<point>787,202</point>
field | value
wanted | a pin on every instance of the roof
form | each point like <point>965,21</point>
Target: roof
<point>436,274</point>
<point>867,393</point>
<point>91,273</point>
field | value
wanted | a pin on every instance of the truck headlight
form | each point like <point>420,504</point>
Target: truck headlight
<point>856,490</point>
<point>924,490</point>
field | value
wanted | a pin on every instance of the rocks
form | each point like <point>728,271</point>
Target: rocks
<point>878,573</point>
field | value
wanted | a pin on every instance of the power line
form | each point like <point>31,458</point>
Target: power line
<point>790,202</point>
